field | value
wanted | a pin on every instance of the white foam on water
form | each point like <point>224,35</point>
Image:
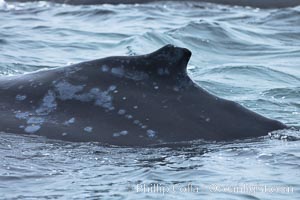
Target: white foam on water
<point>3,4</point>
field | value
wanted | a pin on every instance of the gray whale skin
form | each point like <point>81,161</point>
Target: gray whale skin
<point>124,100</point>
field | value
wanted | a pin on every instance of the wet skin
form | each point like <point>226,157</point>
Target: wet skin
<point>124,100</point>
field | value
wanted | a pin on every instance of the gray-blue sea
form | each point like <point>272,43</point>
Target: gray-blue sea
<point>244,54</point>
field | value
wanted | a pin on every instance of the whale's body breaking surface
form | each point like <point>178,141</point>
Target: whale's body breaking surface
<point>134,100</point>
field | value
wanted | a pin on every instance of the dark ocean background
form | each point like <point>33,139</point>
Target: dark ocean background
<point>244,54</point>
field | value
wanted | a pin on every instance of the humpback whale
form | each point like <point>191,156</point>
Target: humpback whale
<point>124,100</point>
<point>252,3</point>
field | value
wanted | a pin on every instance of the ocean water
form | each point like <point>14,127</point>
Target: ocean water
<point>248,55</point>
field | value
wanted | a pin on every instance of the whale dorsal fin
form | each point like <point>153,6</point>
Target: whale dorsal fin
<point>168,60</point>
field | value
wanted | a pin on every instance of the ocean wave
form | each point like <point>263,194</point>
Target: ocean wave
<point>283,93</point>
<point>89,12</point>
<point>283,16</point>
<point>19,68</point>
<point>254,71</point>
<point>247,55</point>
<point>237,52</point>
<point>253,3</point>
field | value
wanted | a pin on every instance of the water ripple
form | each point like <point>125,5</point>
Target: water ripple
<point>244,54</point>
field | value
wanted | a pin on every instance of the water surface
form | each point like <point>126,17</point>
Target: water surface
<point>244,54</point>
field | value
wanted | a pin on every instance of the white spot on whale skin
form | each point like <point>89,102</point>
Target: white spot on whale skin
<point>103,99</point>
<point>136,121</point>
<point>21,97</point>
<point>129,116</point>
<point>122,133</point>
<point>116,134</point>
<point>100,98</point>
<point>35,120</point>
<point>104,68</point>
<point>88,129</point>
<point>143,126</point>
<point>121,112</point>
<point>95,91</point>
<point>22,115</point>
<point>71,70</point>
<point>112,87</point>
<point>156,87</point>
<point>67,91</point>
<point>176,89</point>
<point>64,134</point>
<point>163,71</point>
<point>124,98</point>
<point>151,133</point>
<point>20,87</point>
<point>49,104</point>
<point>32,128</point>
<point>136,75</point>
<point>70,121</point>
<point>135,107</point>
<point>118,71</point>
